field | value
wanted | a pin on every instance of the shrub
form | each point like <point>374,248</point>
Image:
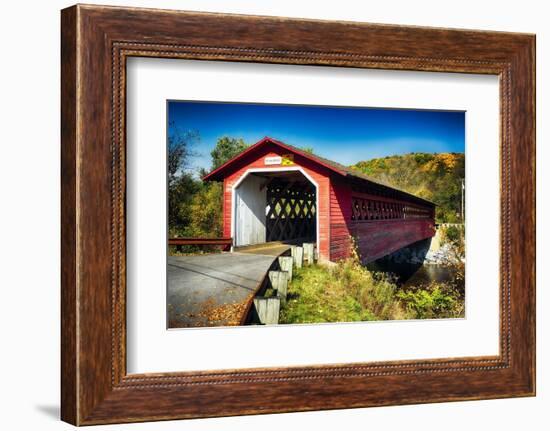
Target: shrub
<point>455,236</point>
<point>436,301</point>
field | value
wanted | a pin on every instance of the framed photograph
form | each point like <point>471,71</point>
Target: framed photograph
<point>266,215</point>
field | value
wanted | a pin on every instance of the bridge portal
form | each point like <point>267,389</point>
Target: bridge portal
<point>274,206</point>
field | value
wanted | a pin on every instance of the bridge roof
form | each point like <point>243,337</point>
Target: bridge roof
<point>222,171</point>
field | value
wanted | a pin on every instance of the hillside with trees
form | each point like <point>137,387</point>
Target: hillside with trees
<point>437,177</point>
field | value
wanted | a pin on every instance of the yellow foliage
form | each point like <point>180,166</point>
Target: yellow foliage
<point>448,159</point>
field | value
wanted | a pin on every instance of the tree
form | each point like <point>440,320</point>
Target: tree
<point>195,207</point>
<point>181,184</point>
<point>180,195</point>
<point>307,149</point>
<point>433,176</point>
<point>179,150</point>
<point>226,148</point>
<point>206,211</point>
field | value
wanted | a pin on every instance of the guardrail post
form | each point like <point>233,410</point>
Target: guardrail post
<point>267,310</point>
<point>297,254</point>
<point>286,263</point>
<point>309,253</point>
<point>279,283</point>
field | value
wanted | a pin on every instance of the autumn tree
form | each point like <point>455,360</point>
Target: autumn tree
<point>434,176</point>
<point>206,210</point>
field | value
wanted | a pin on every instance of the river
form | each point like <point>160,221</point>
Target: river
<point>415,275</point>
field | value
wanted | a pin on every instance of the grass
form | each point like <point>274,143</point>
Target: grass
<point>348,292</point>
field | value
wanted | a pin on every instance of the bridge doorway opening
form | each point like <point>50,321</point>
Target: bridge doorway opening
<point>275,206</point>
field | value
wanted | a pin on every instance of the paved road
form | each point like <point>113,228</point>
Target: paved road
<point>213,289</point>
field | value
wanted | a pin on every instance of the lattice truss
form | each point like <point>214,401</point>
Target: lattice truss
<point>372,209</point>
<point>290,211</point>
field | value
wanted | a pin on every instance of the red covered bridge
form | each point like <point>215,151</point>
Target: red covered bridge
<point>276,192</point>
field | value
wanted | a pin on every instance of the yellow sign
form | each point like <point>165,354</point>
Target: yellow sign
<point>288,159</point>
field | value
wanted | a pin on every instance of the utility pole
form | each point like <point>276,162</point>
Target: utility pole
<point>462,201</point>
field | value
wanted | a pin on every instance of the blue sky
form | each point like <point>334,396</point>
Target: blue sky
<point>345,135</point>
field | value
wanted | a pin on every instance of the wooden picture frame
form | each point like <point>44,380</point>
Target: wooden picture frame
<point>95,43</point>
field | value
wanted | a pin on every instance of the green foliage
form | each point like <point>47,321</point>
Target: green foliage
<point>423,158</point>
<point>226,148</point>
<point>346,292</point>
<point>436,301</point>
<point>206,210</point>
<point>201,217</point>
<point>181,184</point>
<point>180,194</point>
<point>455,236</point>
<point>436,177</point>
<point>194,206</point>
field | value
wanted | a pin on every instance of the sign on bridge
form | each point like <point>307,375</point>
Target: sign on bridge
<point>284,160</point>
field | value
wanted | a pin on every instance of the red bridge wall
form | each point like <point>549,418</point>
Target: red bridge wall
<point>374,238</point>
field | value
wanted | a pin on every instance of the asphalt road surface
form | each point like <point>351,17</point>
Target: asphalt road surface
<point>213,289</point>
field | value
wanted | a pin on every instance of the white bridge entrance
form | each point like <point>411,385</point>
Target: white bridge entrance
<point>274,206</point>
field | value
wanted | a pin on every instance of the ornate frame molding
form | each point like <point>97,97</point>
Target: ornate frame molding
<point>96,41</point>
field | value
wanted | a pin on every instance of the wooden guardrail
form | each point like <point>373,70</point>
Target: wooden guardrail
<point>265,310</point>
<point>224,243</point>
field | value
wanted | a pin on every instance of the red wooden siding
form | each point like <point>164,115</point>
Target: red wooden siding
<point>376,239</point>
<point>227,207</point>
<point>340,216</point>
